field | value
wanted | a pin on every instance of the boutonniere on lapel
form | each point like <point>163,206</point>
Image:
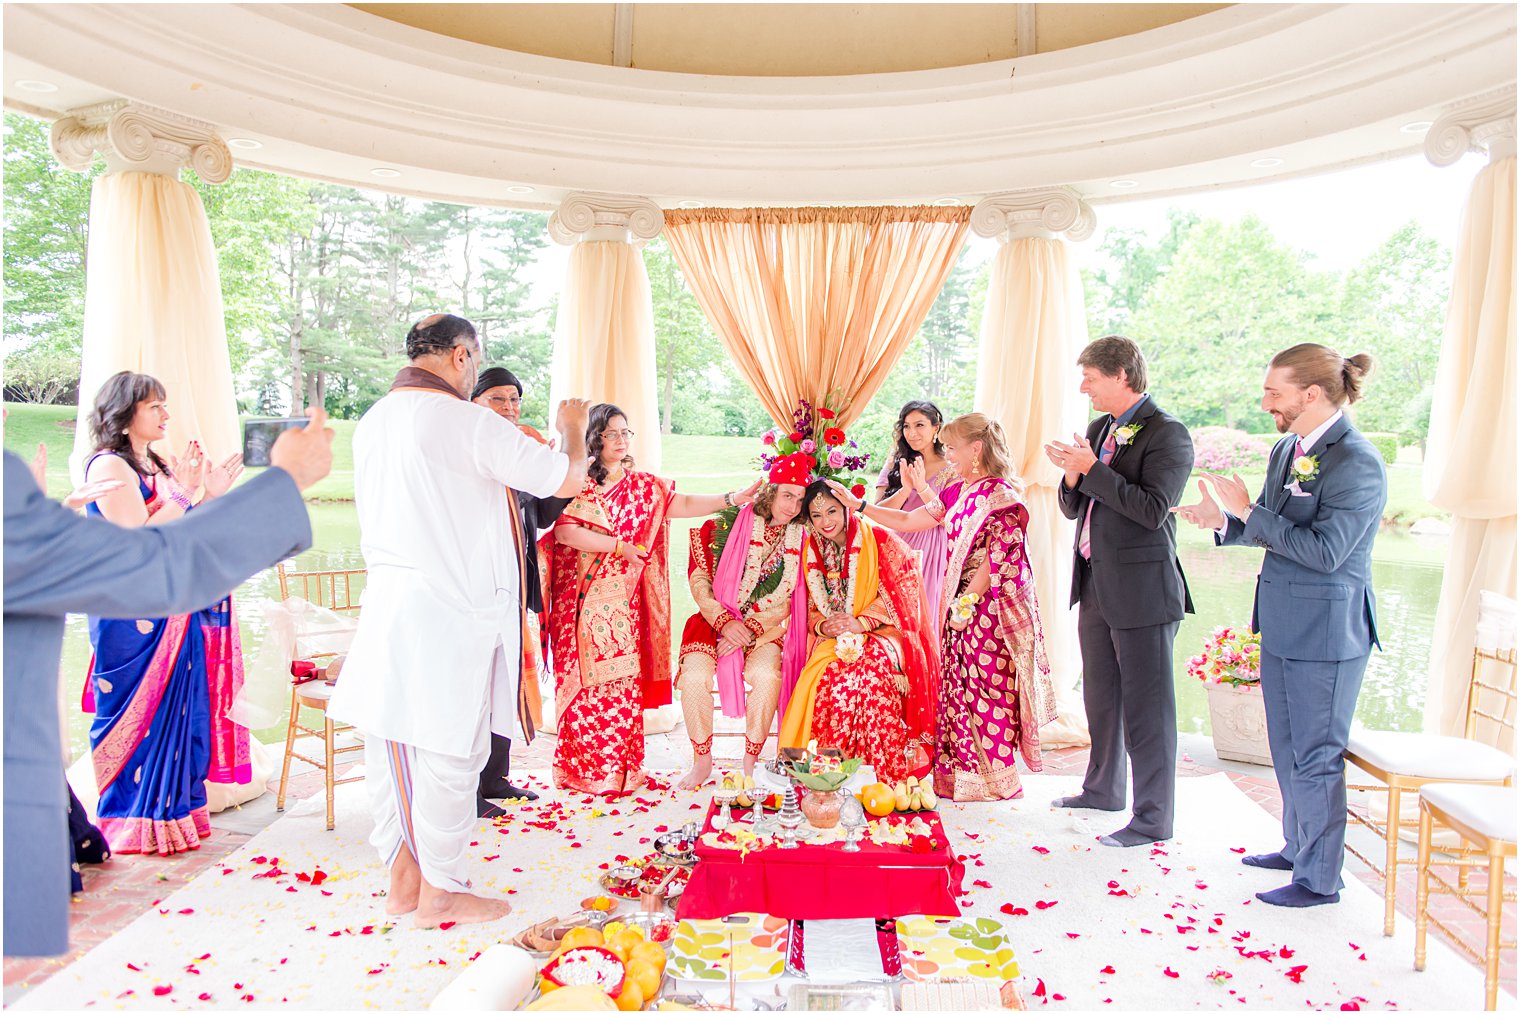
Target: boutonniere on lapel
<point>1125,434</point>
<point>1304,468</point>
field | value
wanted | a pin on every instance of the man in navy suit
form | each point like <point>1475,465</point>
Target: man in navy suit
<point>1316,518</point>
<point>57,562</point>
<point>1121,481</point>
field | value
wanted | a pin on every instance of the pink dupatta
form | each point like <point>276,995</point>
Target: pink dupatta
<point>726,576</point>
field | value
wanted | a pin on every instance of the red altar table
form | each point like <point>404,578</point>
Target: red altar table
<point>824,881</point>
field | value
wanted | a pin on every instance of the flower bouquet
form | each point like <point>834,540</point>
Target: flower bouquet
<point>823,771</point>
<point>1229,656</point>
<point>816,432</point>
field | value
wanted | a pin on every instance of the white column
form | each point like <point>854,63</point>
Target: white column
<point>604,336</point>
<point>153,300</point>
<point>1470,454</point>
<point>1034,326</point>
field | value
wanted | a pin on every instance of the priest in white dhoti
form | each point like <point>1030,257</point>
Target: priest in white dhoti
<point>427,679</point>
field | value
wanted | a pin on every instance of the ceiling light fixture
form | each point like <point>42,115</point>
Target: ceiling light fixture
<point>246,143</point>
<point>37,86</point>
<point>519,188</point>
<point>1417,127</point>
<point>691,204</point>
<point>1266,163</point>
<point>385,174</point>
<point>948,202</point>
<point>1124,184</point>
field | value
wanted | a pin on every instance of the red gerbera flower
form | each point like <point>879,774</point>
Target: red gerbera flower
<point>833,436</point>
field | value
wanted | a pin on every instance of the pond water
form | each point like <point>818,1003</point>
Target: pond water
<point>1406,571</point>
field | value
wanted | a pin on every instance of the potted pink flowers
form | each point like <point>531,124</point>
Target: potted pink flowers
<point>1230,668</point>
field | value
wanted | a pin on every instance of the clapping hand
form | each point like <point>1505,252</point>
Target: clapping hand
<point>189,469</point>
<point>1206,514</point>
<point>1075,459</point>
<point>912,474</point>
<point>220,479</point>
<point>92,491</point>
<point>1232,493</point>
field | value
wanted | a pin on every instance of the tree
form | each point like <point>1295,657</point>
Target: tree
<point>685,346</point>
<point>1231,298</point>
<point>1117,290</point>
<point>1393,305</point>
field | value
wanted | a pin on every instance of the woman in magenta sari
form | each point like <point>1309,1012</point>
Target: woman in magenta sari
<point>160,688</point>
<point>994,688</point>
<point>918,426</point>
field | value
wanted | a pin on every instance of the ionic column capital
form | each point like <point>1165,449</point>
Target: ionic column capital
<point>135,137</point>
<point>1486,123</point>
<point>588,216</point>
<point>1049,211</point>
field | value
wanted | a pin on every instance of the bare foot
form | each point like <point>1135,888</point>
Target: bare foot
<point>701,770</point>
<point>406,884</point>
<point>749,763</point>
<point>437,907</point>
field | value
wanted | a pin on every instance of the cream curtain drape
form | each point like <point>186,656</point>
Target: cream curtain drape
<point>814,301</point>
<point>1470,456</point>
<point>1032,330</point>
<point>604,340</point>
<point>153,304</point>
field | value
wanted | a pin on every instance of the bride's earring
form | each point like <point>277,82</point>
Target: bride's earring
<point>976,468</point>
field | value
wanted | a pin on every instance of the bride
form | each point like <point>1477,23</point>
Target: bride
<point>869,684</point>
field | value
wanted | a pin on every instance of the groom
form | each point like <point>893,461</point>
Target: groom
<point>1316,518</point>
<point>1130,587</point>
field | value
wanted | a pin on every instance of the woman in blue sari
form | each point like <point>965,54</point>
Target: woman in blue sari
<point>160,688</point>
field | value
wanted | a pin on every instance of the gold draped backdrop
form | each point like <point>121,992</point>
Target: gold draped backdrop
<point>809,301</point>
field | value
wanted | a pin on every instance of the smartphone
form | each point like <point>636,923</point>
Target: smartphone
<point>259,436</point>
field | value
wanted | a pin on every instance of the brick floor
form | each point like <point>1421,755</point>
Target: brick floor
<point>120,890</point>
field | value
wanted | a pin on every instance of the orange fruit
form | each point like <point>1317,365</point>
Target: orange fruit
<point>581,936</point>
<point>878,799</point>
<point>646,975</point>
<point>649,953</point>
<point>632,997</point>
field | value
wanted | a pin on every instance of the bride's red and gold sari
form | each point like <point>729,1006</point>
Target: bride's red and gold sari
<point>609,629</point>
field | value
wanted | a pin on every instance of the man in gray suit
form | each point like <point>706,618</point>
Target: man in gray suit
<point>1131,588</point>
<point>1316,518</point>
<point>57,562</point>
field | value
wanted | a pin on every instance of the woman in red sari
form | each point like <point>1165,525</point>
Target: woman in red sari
<point>609,609</point>
<point>869,685</point>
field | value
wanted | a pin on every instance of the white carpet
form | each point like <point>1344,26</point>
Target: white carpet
<point>1178,928</point>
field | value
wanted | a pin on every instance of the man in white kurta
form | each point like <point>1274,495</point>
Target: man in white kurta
<point>426,679</point>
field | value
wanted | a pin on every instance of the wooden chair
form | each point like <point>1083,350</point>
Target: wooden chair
<point>1408,761</point>
<point>1485,818</point>
<point>337,590</point>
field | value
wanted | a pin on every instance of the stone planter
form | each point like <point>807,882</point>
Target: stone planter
<point>1238,717</point>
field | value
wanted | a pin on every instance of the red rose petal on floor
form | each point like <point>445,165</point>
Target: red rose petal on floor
<point>1039,990</point>
<point>1296,973</point>
<point>133,967</point>
<point>1041,849</point>
<point>1073,936</point>
<point>1238,851</point>
<point>1106,970</point>
<point>1058,996</point>
<point>246,998</point>
<point>1043,905</point>
<point>446,925</point>
<point>162,990</point>
<point>980,883</point>
<point>1350,1005</point>
<point>205,996</point>
<point>1167,971</point>
<point>1286,952</point>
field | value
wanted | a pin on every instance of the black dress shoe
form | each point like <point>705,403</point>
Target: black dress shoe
<point>1297,896</point>
<point>517,792</point>
<point>1128,837</point>
<point>1268,861</point>
<point>1080,802</point>
<point>486,808</point>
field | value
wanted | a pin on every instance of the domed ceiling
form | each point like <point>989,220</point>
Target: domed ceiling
<point>696,104</point>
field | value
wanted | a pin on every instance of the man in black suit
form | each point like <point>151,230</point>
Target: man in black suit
<point>1121,482</point>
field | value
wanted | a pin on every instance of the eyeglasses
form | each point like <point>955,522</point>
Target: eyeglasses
<point>614,434</point>
<point>496,399</point>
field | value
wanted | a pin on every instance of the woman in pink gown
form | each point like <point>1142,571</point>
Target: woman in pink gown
<point>917,430</point>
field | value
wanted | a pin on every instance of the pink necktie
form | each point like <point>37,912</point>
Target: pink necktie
<point>1085,546</point>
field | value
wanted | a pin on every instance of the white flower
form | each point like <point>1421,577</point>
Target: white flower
<point>848,646</point>
<point>1305,467</point>
<point>1124,434</point>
